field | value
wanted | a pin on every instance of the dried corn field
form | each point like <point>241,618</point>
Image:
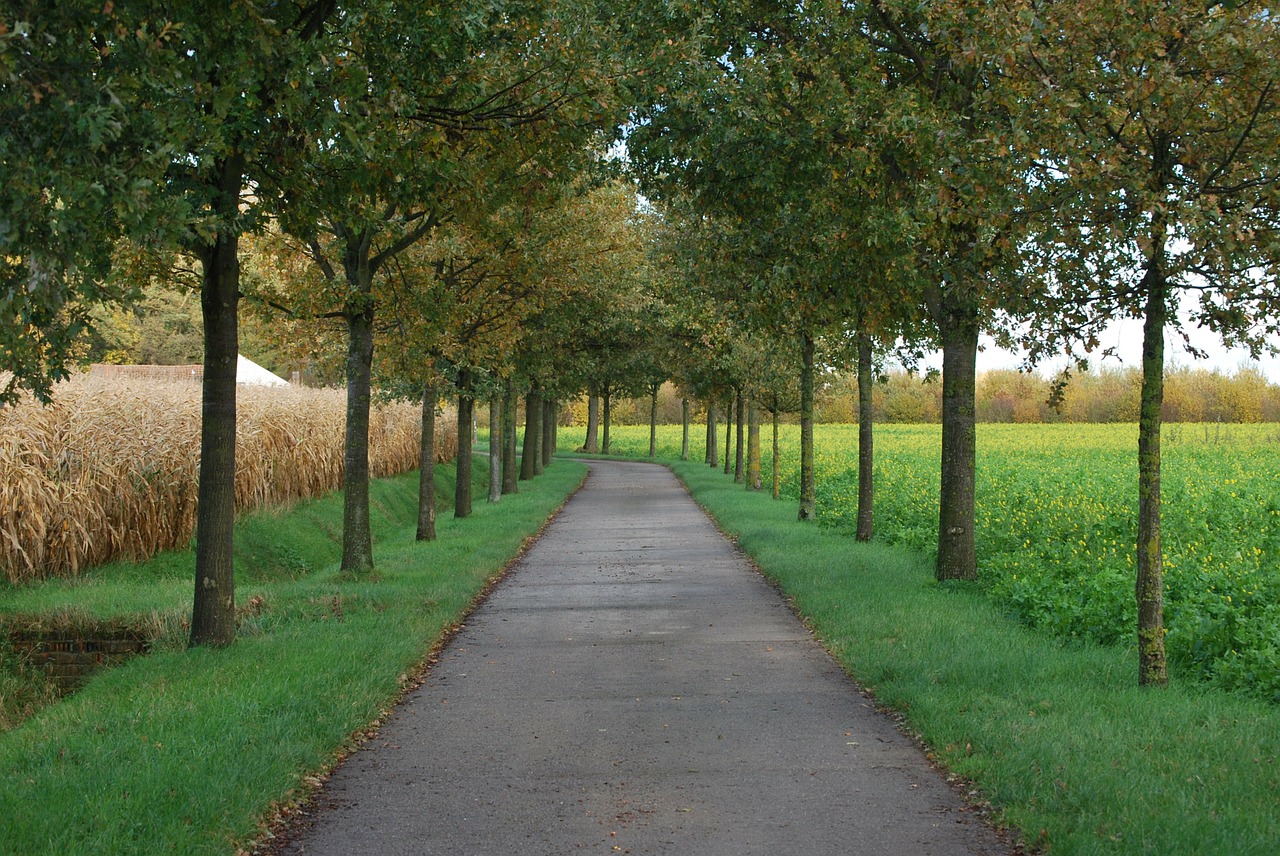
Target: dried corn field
<point>109,469</point>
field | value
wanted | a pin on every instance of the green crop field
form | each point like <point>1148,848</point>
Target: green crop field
<point>1057,520</point>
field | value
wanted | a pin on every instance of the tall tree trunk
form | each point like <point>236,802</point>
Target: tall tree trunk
<point>357,540</point>
<point>592,445</point>
<point>466,423</point>
<point>777,473</point>
<point>653,420</point>
<point>549,412</point>
<point>713,445</point>
<point>866,454</point>
<point>495,448</point>
<point>532,433</point>
<point>753,445</point>
<point>728,436</point>
<point>808,485</point>
<point>739,470</point>
<point>607,446</point>
<point>213,613</point>
<point>510,463</point>
<point>540,427</point>
<point>684,429</point>
<point>957,559</point>
<point>1152,670</point>
<point>427,465</point>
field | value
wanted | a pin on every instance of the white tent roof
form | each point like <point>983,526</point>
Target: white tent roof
<point>247,371</point>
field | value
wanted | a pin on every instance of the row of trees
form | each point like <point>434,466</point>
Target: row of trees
<point>882,173</point>
<point>824,182</point>
<point>376,171</point>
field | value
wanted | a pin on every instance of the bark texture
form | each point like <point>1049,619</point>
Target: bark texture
<point>866,454</point>
<point>740,418</point>
<point>777,474</point>
<point>357,541</point>
<point>653,421</point>
<point>753,446</point>
<point>427,467</point>
<point>510,463</point>
<point>466,414</point>
<point>1152,669</point>
<point>956,517</point>
<point>713,445</point>
<point>213,614</point>
<point>495,449</point>
<point>532,433</point>
<point>592,444</point>
<point>607,420</point>
<point>548,445</point>
<point>808,486</point>
<point>684,425</point>
<point>728,436</point>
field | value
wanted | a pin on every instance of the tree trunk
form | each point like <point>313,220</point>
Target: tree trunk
<point>592,445</point>
<point>427,466</point>
<point>653,420</point>
<point>540,428</point>
<point>510,463</point>
<point>357,540</point>
<point>866,455</point>
<point>956,517</point>
<point>1152,670</point>
<point>713,445</point>
<point>532,433</point>
<point>466,422</point>
<point>549,412</point>
<point>213,613</point>
<point>607,446</point>
<point>684,429</point>
<point>777,473</point>
<point>808,485</point>
<point>753,446</point>
<point>739,465</point>
<point>495,449</point>
<point>728,437</point>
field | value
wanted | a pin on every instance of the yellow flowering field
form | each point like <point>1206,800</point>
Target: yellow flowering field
<point>1057,512</point>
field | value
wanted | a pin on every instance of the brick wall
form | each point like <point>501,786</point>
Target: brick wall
<point>72,660</point>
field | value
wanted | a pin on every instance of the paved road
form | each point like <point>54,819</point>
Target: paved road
<point>636,687</point>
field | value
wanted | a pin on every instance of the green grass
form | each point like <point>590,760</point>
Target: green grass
<point>1057,736</point>
<point>190,751</point>
<point>1057,523</point>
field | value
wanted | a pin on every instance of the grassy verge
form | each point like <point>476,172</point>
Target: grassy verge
<point>190,751</point>
<point>1057,737</point>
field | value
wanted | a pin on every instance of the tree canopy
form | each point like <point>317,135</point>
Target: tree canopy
<point>595,197</point>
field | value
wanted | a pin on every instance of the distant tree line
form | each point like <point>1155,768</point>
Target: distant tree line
<point>1192,394</point>
<point>1109,395</point>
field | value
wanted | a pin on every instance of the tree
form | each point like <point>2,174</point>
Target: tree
<point>1156,146</point>
<point>84,167</point>
<point>760,136</point>
<point>162,328</point>
<point>945,132</point>
<point>175,114</point>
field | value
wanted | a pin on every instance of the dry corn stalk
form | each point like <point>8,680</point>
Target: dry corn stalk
<point>109,469</point>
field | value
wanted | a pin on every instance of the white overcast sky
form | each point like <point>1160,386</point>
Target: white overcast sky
<point>1126,338</point>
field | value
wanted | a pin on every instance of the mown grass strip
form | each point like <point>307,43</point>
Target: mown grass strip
<point>189,751</point>
<point>1057,737</point>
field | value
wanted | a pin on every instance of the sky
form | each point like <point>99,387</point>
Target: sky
<point>1126,338</point>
